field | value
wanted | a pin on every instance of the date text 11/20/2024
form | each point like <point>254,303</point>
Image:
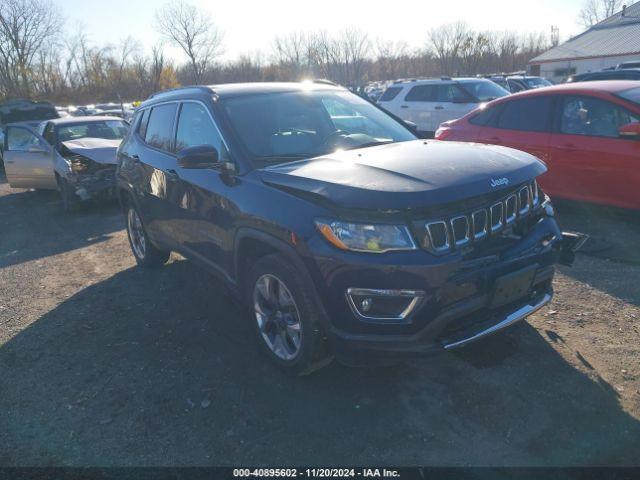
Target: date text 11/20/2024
<point>315,473</point>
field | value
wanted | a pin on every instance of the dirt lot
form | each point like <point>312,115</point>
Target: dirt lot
<point>102,363</point>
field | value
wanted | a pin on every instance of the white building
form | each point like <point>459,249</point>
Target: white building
<point>606,44</point>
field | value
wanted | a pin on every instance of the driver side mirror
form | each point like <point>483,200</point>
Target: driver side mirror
<point>630,131</point>
<point>200,157</point>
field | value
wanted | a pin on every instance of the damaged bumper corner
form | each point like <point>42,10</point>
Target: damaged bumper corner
<point>571,243</point>
<point>88,186</point>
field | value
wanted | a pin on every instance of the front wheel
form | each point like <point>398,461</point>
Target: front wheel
<point>285,317</point>
<point>70,201</point>
<point>145,253</point>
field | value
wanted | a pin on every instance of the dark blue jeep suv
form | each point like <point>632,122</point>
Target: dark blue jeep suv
<point>344,234</point>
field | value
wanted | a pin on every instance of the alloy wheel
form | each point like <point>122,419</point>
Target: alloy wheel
<point>277,316</point>
<point>136,234</point>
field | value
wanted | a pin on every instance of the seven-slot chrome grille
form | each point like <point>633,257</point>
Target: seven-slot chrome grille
<point>458,231</point>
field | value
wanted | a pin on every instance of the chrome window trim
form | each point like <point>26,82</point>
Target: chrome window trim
<point>447,245</point>
<point>466,239</point>
<point>418,296</point>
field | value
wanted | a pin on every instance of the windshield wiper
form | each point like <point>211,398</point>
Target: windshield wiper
<point>370,144</point>
<point>285,156</point>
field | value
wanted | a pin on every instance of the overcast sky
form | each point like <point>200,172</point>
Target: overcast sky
<point>250,26</point>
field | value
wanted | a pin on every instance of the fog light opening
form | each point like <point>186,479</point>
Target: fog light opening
<point>371,304</point>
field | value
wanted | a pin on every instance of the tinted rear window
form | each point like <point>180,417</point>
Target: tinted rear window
<point>390,93</point>
<point>160,128</point>
<point>528,114</point>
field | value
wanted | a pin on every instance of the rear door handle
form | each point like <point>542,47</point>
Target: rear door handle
<point>439,107</point>
<point>495,140</point>
<point>404,106</point>
<point>8,161</point>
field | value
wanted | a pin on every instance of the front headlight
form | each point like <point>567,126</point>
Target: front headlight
<point>362,237</point>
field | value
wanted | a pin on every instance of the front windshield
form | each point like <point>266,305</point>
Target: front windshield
<point>633,95</point>
<point>304,124</point>
<point>537,82</point>
<point>106,129</point>
<point>484,90</point>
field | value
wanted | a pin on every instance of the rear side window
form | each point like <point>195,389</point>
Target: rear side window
<point>486,117</point>
<point>142,126</point>
<point>160,126</point>
<point>421,93</point>
<point>390,93</point>
<point>527,114</point>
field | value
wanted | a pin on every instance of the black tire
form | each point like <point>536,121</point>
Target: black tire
<point>146,254</point>
<point>313,352</point>
<point>70,201</point>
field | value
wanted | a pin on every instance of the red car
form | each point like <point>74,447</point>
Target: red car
<point>588,134</point>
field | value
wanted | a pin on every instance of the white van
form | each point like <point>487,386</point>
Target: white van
<point>430,102</point>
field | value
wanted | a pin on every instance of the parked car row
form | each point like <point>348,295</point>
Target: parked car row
<point>343,233</point>
<point>587,133</point>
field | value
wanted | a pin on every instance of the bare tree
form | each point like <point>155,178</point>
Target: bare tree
<point>25,28</point>
<point>194,32</point>
<point>594,11</point>
<point>446,42</point>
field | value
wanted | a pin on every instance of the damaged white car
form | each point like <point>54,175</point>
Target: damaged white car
<point>74,155</point>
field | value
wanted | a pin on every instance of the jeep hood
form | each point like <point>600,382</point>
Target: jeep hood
<point>404,175</point>
<point>99,150</point>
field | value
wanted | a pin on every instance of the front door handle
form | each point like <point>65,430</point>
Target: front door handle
<point>495,140</point>
<point>8,161</point>
<point>439,107</point>
<point>171,174</point>
<point>404,106</point>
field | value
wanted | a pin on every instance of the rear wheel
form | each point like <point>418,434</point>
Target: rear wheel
<point>145,253</point>
<point>285,317</point>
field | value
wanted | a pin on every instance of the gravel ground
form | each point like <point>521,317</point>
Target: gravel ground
<point>102,363</point>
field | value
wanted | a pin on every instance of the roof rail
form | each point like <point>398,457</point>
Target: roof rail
<point>202,88</point>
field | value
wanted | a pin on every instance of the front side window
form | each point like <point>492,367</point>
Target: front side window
<point>421,93</point>
<point>632,95</point>
<point>390,93</point>
<point>159,131</point>
<point>305,124</point>
<point>196,128</point>
<point>105,129</point>
<point>21,139</point>
<point>450,92</point>
<point>527,114</point>
<point>593,117</point>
